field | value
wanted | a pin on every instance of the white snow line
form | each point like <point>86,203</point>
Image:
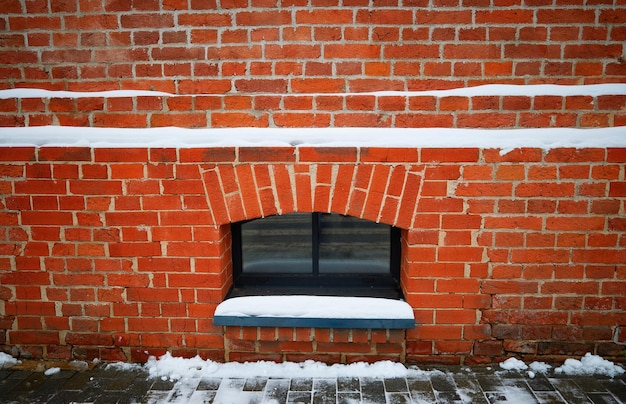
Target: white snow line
<point>40,93</point>
<point>503,139</point>
<point>482,90</point>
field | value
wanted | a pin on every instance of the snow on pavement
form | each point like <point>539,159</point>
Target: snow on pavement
<point>590,365</point>
<point>6,360</point>
<point>168,367</point>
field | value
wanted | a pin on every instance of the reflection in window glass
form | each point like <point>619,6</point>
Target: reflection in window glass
<point>277,244</point>
<point>351,245</point>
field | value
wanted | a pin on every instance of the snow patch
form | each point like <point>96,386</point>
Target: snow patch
<point>6,360</point>
<point>79,365</point>
<point>39,93</point>
<point>518,365</point>
<point>52,371</point>
<point>590,365</point>
<point>513,364</point>
<point>540,367</point>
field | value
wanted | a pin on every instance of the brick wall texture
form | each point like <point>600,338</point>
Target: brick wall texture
<point>119,253</point>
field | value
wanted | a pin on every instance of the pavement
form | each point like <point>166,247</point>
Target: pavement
<point>102,383</point>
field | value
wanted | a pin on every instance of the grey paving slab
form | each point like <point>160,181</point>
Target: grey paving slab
<point>348,398</point>
<point>299,397</point>
<point>212,383</point>
<point>421,391</point>
<point>299,384</point>
<point>255,384</point>
<point>397,384</point>
<point>277,390</point>
<point>348,385</point>
<point>372,390</point>
<point>618,389</point>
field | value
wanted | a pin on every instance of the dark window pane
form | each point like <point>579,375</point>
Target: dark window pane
<point>277,244</point>
<point>352,245</point>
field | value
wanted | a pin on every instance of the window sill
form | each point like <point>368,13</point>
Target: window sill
<point>315,312</point>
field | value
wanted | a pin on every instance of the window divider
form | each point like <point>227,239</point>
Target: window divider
<point>315,223</point>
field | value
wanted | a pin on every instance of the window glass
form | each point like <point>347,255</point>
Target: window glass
<point>352,245</point>
<point>277,244</point>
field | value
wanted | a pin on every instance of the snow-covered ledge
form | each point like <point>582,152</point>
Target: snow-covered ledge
<point>315,312</point>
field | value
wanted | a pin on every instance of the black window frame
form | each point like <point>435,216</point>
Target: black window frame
<point>345,284</point>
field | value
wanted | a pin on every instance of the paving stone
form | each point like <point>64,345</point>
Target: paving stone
<point>299,397</point>
<point>160,384</point>
<point>348,384</point>
<point>202,396</point>
<point>325,385</point>
<point>76,396</point>
<point>448,397</point>
<point>209,384</point>
<point>442,382</point>
<point>348,398</point>
<point>372,390</point>
<point>469,388</point>
<point>183,389</point>
<point>31,383</point>
<point>301,385</point>
<point>398,398</point>
<point>616,387</point>
<point>277,389</point>
<point>550,397</point>
<point>602,398</point>
<point>108,397</point>
<point>421,390</point>
<point>155,397</point>
<point>590,385</point>
<point>570,391</point>
<point>255,384</point>
<point>397,384</point>
<point>79,381</point>
<point>489,382</point>
<point>512,394</point>
<point>4,373</point>
<point>320,397</point>
<point>139,388</point>
<point>540,383</point>
<point>12,380</point>
<point>119,383</point>
<point>46,391</point>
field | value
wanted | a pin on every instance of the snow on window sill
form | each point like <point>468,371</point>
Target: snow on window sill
<point>315,312</point>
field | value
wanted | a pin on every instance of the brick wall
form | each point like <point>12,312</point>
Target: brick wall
<point>302,46</point>
<point>119,253</point>
<point>113,253</point>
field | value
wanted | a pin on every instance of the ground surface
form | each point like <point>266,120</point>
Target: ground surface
<point>107,384</point>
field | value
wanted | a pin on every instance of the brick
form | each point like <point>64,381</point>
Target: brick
<point>546,189</point>
<point>320,154</point>
<point>468,155</point>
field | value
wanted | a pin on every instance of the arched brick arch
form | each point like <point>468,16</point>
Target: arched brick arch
<point>385,193</point>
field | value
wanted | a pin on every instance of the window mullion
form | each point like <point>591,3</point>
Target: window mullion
<point>316,243</point>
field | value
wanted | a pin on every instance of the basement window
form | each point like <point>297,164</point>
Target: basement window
<point>314,254</point>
